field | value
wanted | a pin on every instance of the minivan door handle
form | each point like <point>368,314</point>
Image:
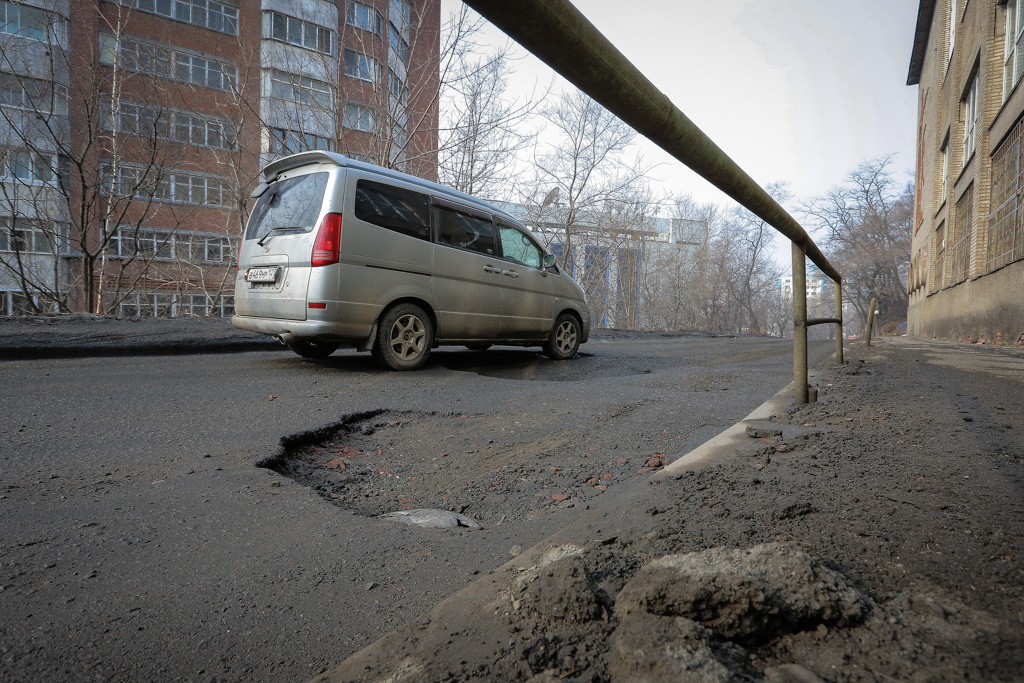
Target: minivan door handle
<point>510,273</point>
<point>492,269</point>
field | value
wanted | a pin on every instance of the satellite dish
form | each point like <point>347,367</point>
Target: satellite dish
<point>550,197</point>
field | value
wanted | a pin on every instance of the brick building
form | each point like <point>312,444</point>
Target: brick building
<point>132,131</point>
<point>967,257</point>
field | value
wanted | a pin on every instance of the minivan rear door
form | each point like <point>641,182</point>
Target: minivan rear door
<point>276,253</point>
<point>467,283</point>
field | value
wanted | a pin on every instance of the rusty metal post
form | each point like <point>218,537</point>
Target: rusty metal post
<point>839,325</point>
<point>800,393</point>
<point>871,320</point>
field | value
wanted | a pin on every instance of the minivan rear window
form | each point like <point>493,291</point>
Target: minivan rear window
<point>290,205</point>
<point>393,208</point>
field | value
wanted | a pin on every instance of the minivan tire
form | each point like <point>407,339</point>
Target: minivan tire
<point>564,341</point>
<point>313,349</point>
<point>405,336</point>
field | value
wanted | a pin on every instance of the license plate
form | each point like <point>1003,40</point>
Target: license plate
<point>261,274</point>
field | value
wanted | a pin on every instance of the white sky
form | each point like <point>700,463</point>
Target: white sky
<point>799,91</point>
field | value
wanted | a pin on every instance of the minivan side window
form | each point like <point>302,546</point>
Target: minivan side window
<point>394,208</point>
<point>290,205</point>
<point>465,231</point>
<point>516,246</point>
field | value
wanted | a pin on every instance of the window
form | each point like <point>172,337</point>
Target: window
<point>940,257</point>
<point>562,258</point>
<point>944,180</point>
<point>168,244</point>
<point>399,45</point>
<point>960,255</point>
<point>284,141</point>
<point>1006,221</point>
<point>360,117</point>
<point>301,33</point>
<point>396,87</point>
<point>970,120</point>
<point>175,187</point>
<point>361,66</point>
<point>290,205</point>
<point>1013,60</point>
<point>951,29</point>
<point>35,168</point>
<point>32,22</point>
<point>365,17</point>
<point>393,208</point>
<point>168,62</point>
<point>465,231</point>
<point>300,89</point>
<point>211,14</point>
<point>22,92</point>
<point>401,13</point>
<point>516,246</point>
<point>169,124</point>
<point>30,236</point>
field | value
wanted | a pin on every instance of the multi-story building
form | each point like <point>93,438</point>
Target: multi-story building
<point>967,257</point>
<point>132,131</point>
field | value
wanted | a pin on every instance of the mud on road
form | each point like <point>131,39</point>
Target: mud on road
<point>882,542</point>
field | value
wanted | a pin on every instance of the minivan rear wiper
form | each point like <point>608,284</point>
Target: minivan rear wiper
<point>291,228</point>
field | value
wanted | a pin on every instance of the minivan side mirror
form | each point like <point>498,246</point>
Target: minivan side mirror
<point>548,261</point>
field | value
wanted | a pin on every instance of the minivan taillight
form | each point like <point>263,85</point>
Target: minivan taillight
<point>328,240</point>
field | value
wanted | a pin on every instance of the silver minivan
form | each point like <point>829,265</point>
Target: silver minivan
<point>338,251</point>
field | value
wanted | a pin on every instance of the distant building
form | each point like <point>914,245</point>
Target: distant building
<point>967,257</point>
<point>132,131</point>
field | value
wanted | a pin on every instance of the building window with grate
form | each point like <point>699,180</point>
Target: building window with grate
<point>960,251</point>
<point>1006,220</point>
<point>938,278</point>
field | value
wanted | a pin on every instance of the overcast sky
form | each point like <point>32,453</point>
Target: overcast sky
<point>799,91</point>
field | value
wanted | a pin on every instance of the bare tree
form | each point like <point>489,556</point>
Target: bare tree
<point>866,224</point>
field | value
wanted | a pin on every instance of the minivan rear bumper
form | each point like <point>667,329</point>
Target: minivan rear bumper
<point>303,329</point>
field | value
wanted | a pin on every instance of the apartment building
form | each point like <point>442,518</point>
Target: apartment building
<point>133,131</point>
<point>966,276</point>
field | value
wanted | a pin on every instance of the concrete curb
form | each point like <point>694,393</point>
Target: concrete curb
<point>94,350</point>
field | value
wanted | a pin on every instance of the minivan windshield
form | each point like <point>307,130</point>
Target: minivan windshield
<point>290,205</point>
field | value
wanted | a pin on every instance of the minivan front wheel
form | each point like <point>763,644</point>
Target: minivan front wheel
<point>404,337</point>
<point>564,341</point>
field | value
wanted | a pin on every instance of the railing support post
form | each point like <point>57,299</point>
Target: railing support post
<point>839,325</point>
<point>800,393</point>
<point>871,320</point>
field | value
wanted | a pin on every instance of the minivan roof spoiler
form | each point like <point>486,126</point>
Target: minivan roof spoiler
<point>275,168</point>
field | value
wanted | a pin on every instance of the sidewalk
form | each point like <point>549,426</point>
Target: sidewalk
<point>77,335</point>
<point>874,535</point>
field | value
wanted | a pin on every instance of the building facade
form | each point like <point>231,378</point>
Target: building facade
<point>133,131</point>
<point>966,277</point>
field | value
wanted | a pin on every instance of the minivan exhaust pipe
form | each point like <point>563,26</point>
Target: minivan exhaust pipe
<point>286,338</point>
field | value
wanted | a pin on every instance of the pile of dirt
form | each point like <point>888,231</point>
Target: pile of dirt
<point>881,543</point>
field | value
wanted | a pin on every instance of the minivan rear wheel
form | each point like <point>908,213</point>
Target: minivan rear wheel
<point>313,349</point>
<point>564,341</point>
<point>405,336</point>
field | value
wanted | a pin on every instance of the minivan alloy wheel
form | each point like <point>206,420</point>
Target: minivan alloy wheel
<point>565,339</point>
<point>405,337</point>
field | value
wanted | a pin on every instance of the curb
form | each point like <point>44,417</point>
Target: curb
<point>163,349</point>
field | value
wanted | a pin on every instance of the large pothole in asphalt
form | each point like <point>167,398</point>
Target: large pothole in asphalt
<point>487,467</point>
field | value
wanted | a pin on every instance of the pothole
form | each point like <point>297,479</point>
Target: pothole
<point>486,467</point>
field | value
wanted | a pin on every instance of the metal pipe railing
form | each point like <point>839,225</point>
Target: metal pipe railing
<point>558,34</point>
